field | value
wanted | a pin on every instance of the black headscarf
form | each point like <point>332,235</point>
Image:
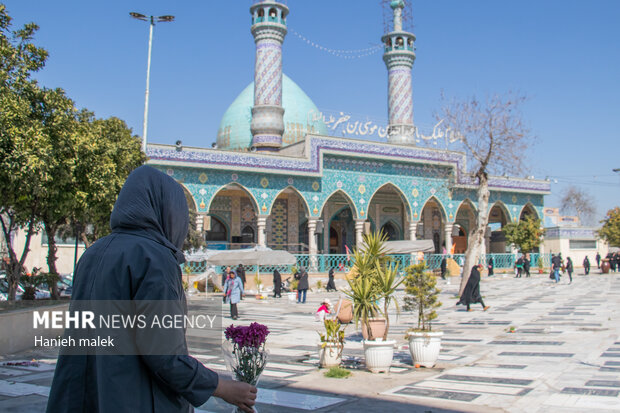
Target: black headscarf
<point>153,205</point>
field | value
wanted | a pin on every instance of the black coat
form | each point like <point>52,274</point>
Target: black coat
<point>241,273</point>
<point>331,285</point>
<point>491,266</point>
<point>277,282</point>
<point>444,266</point>
<point>303,281</point>
<point>471,293</point>
<point>139,260</point>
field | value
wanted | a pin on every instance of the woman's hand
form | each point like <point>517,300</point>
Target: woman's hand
<point>240,394</point>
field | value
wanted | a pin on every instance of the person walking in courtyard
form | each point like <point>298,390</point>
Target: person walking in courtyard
<point>331,285</point>
<point>519,267</point>
<point>569,269</point>
<point>598,260</point>
<point>556,264</point>
<point>491,266</point>
<point>586,265</point>
<point>225,275</point>
<point>303,286</point>
<point>526,264</point>
<point>471,293</point>
<point>139,262</point>
<point>277,284</point>
<point>233,291</point>
<point>444,267</point>
<point>241,273</point>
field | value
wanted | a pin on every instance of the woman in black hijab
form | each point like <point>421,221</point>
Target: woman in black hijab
<point>277,284</point>
<point>139,262</point>
<point>471,294</point>
<point>331,285</point>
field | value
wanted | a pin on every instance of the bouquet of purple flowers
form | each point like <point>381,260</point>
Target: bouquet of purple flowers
<point>244,351</point>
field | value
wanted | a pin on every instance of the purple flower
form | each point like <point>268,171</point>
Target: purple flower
<point>253,335</point>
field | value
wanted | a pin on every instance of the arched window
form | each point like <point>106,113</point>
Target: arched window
<point>273,15</point>
<point>217,232</point>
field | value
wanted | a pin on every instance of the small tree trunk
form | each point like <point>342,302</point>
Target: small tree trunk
<point>387,319</point>
<point>50,230</point>
<point>84,239</point>
<point>475,238</point>
<point>14,270</point>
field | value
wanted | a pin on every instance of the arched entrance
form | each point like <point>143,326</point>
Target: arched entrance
<point>233,218</point>
<point>338,216</point>
<point>341,231</point>
<point>288,212</point>
<point>388,211</point>
<point>498,218</point>
<point>432,221</point>
<point>465,220</point>
<point>528,211</point>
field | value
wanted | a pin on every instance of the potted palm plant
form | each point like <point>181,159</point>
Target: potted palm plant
<point>421,295</point>
<point>541,264</point>
<point>332,344</point>
<point>374,280</point>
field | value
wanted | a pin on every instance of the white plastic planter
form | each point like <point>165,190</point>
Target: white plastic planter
<point>379,355</point>
<point>329,355</point>
<point>424,347</point>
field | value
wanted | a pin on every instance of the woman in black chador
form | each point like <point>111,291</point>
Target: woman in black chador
<point>491,265</point>
<point>330,284</point>
<point>471,294</point>
<point>277,284</point>
<point>569,269</point>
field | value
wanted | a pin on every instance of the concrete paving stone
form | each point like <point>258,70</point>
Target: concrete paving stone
<point>24,404</point>
<point>591,392</point>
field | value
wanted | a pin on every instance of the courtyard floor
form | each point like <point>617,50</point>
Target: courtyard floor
<point>564,355</point>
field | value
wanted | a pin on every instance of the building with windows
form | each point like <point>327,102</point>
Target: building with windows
<point>566,235</point>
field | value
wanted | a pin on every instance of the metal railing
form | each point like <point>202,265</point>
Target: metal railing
<point>343,262</point>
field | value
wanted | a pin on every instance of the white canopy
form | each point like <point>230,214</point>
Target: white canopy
<point>252,256</point>
<point>408,246</point>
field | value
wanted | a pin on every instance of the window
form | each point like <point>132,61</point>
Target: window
<point>582,244</point>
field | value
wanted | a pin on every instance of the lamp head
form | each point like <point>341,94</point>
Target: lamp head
<point>138,16</point>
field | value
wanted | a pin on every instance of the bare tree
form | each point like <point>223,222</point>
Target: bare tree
<point>494,137</point>
<point>578,201</point>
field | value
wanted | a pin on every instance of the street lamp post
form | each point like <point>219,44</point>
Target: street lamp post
<point>152,20</point>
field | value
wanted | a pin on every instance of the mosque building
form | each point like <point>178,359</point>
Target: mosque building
<point>277,178</point>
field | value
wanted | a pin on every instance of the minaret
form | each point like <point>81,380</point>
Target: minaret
<point>398,57</point>
<point>268,29</point>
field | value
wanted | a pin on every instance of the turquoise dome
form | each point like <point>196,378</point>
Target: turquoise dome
<point>300,115</point>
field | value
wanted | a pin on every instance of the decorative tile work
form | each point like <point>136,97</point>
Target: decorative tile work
<point>418,178</point>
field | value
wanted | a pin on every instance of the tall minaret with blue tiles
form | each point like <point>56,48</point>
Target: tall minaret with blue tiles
<point>398,57</point>
<point>269,30</point>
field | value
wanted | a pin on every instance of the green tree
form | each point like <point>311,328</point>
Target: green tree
<point>610,231</point>
<point>56,113</point>
<point>20,154</point>
<point>107,152</point>
<point>421,295</point>
<point>526,235</point>
<point>195,239</point>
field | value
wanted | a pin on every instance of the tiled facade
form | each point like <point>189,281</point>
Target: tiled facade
<point>355,172</point>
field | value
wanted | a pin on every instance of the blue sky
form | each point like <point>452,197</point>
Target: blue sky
<point>562,54</point>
